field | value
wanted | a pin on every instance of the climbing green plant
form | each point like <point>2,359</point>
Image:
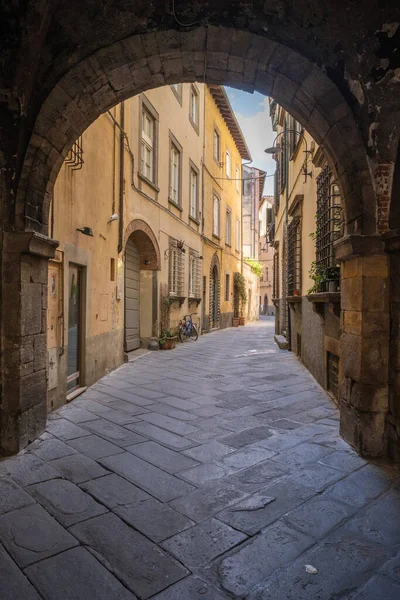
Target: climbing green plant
<point>255,266</point>
<point>239,294</point>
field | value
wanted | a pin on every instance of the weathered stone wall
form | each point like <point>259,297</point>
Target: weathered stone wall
<point>313,353</point>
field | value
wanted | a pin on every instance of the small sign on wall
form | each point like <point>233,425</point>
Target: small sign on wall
<point>52,369</point>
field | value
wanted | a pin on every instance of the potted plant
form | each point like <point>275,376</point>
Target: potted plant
<point>333,278</point>
<point>296,292</point>
<point>239,297</point>
<point>318,275</point>
<point>167,339</point>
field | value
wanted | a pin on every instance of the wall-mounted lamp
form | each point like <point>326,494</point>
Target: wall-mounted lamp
<point>146,261</point>
<point>86,231</point>
<point>113,217</point>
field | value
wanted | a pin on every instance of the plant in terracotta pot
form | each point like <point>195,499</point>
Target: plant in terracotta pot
<point>167,339</point>
<point>239,297</point>
<point>333,278</point>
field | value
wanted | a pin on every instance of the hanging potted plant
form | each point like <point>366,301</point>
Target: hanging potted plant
<point>167,339</point>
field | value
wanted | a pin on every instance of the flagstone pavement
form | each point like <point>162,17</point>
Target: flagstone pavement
<point>209,472</point>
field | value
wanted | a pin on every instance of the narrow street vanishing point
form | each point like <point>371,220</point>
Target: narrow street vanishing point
<point>211,472</point>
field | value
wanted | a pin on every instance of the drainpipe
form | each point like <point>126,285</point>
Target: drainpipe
<point>287,234</point>
<point>202,165</point>
<point>121,179</point>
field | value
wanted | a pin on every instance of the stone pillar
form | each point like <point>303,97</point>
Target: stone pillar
<point>365,337</point>
<point>23,406</point>
<point>392,246</point>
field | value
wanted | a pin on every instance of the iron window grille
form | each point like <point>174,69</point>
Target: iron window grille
<point>195,270</point>
<point>294,256</point>
<point>276,275</point>
<point>276,189</point>
<point>74,158</point>
<point>176,270</point>
<point>328,219</point>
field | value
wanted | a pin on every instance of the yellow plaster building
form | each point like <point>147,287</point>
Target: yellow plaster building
<point>141,242</point>
<point>225,148</point>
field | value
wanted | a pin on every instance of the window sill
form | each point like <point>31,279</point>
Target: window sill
<point>194,300</point>
<point>175,204</point>
<point>194,220</point>
<point>229,245</point>
<point>148,181</point>
<point>216,237</point>
<point>180,299</point>
<point>320,297</point>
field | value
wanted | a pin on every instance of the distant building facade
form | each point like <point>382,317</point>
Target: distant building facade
<point>266,254</point>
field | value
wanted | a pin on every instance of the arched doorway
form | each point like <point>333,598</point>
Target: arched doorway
<point>142,260</point>
<point>214,293</point>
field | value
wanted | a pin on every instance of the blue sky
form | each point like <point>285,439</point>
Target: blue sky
<point>252,113</point>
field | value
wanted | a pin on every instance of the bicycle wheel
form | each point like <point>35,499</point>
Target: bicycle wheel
<point>193,333</point>
<point>182,333</point>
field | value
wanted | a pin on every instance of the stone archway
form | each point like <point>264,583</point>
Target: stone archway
<point>141,263</point>
<point>323,83</point>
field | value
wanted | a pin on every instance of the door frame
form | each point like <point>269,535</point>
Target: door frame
<point>70,394</point>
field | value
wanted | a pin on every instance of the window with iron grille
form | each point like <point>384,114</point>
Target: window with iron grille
<point>194,274</point>
<point>74,158</point>
<point>282,163</point>
<point>176,270</point>
<point>328,218</point>
<point>276,275</point>
<point>294,256</point>
<point>276,189</point>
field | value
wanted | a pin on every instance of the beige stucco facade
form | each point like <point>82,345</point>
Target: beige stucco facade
<point>266,255</point>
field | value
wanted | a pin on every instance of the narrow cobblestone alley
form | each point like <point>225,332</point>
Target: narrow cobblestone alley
<point>209,472</point>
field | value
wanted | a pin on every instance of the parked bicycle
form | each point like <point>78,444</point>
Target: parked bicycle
<point>187,329</point>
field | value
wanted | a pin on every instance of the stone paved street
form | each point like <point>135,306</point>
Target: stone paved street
<point>209,472</point>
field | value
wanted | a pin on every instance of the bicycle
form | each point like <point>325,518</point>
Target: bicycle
<point>187,329</point>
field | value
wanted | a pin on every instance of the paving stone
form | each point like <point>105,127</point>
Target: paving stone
<point>208,434</point>
<point>318,516</point>
<point>379,587</point>
<point>191,588</point>
<point>204,473</point>
<point>301,455</point>
<point>65,501</point>
<point>179,403</point>
<point>209,411</point>
<point>65,430</point>
<point>266,506</point>
<point>156,482</point>
<point>208,500</point>
<point>344,564</point>
<point>134,398</point>
<point>112,491</point>
<point>12,497</point>
<point>153,518</point>
<point>285,424</point>
<point>75,414</point>
<point>164,409</point>
<point>256,477</point>
<point>95,446</point>
<point>280,441</point>
<point>246,457</point>
<point>74,575</point>
<point>127,407</point>
<point>208,452</point>
<point>13,583</point>
<point>343,461</point>
<point>203,542</point>
<point>27,469</point>
<point>161,435</point>
<point>162,457</point>
<point>50,449</point>
<point>146,392</point>
<point>168,423</point>
<point>114,433</point>
<point>256,560</point>
<point>362,486</point>
<point>78,468</point>
<point>30,534</point>
<point>392,568</point>
<point>246,437</point>
<point>138,563</point>
<point>317,476</point>
<point>380,521</point>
